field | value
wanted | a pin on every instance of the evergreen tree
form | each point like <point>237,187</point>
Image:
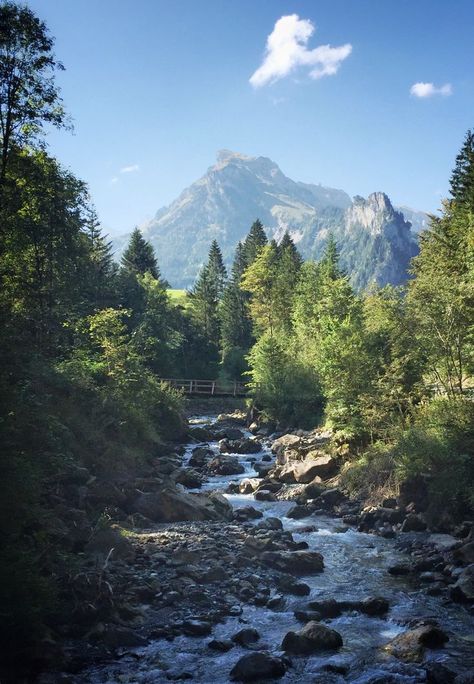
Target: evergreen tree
<point>102,268</point>
<point>139,256</point>
<point>216,268</point>
<point>462,177</point>
<point>206,294</point>
<point>236,328</point>
<point>254,242</point>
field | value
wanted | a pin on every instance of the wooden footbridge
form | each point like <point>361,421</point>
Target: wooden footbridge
<point>210,388</point>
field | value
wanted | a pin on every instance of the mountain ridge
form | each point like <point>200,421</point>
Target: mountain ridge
<point>238,188</point>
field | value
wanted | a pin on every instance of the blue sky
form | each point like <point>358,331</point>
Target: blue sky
<point>155,88</point>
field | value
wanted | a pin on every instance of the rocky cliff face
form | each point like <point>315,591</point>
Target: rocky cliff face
<point>374,239</point>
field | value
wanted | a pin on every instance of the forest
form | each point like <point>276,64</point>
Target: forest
<point>85,342</point>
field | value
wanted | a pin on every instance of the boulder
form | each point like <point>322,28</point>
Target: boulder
<point>290,586</point>
<point>170,505</point>
<point>201,434</point>
<point>246,637</point>
<point>331,497</point>
<point>465,554</point>
<point>247,513</point>
<point>200,456</point>
<point>197,628</point>
<point>264,495</point>
<point>257,666</point>
<point>299,511</point>
<point>312,638</point>
<point>239,446</point>
<point>413,523</point>
<point>285,442</point>
<point>410,645</point>
<point>188,478</point>
<point>375,606</point>
<point>225,465</point>
<point>463,590</point>
<point>249,485</point>
<point>222,645</point>
<point>294,562</point>
<point>304,472</point>
<point>270,523</point>
<point>110,540</point>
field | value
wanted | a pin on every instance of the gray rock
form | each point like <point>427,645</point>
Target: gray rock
<point>312,638</point>
<point>257,666</point>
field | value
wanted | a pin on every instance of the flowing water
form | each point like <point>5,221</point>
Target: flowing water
<point>355,568</point>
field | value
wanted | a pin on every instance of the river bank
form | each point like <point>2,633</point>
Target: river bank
<point>213,599</point>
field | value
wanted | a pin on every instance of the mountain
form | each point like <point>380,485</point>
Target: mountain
<point>375,241</point>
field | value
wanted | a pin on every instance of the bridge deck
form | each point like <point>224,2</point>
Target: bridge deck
<point>210,388</point>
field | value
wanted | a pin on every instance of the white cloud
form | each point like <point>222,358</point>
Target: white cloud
<point>130,169</point>
<point>429,90</point>
<point>113,180</point>
<point>287,49</point>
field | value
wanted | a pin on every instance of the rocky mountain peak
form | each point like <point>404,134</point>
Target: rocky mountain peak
<point>227,199</point>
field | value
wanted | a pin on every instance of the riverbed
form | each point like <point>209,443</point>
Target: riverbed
<point>356,567</point>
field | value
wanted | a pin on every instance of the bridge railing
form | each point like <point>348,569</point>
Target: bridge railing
<point>209,387</point>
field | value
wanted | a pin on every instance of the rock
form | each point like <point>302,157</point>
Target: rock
<point>297,512</point>
<point>239,446</point>
<point>201,434</point>
<point>220,645</point>
<point>121,637</point>
<point>463,590</point>
<point>374,606</point>
<point>263,469</point>
<point>413,523</point>
<point>200,457</point>
<point>414,491</point>
<point>169,505</point>
<point>288,441</point>
<point>312,638</point>
<point>331,497</point>
<point>233,433</point>
<point>400,569</point>
<point>270,524</point>
<point>247,513</point>
<point>246,637</point>
<point>315,465</point>
<point>410,645</point>
<point>197,628</point>
<point>390,502</point>
<point>249,485</point>
<point>188,478</point>
<point>276,603</point>
<point>225,465</point>
<point>290,586</point>
<point>304,472</point>
<point>295,562</point>
<point>264,495</point>
<point>314,489</point>
<point>257,666</point>
<point>465,678</point>
<point>110,540</point>
<point>326,609</point>
<point>437,673</point>
<point>465,554</point>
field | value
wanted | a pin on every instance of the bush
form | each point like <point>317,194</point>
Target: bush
<point>439,444</point>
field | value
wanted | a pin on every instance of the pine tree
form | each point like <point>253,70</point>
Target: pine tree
<point>101,265</point>
<point>254,242</point>
<point>236,327</point>
<point>329,264</point>
<point>216,268</point>
<point>139,257</point>
<point>462,177</point>
<point>207,292</point>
